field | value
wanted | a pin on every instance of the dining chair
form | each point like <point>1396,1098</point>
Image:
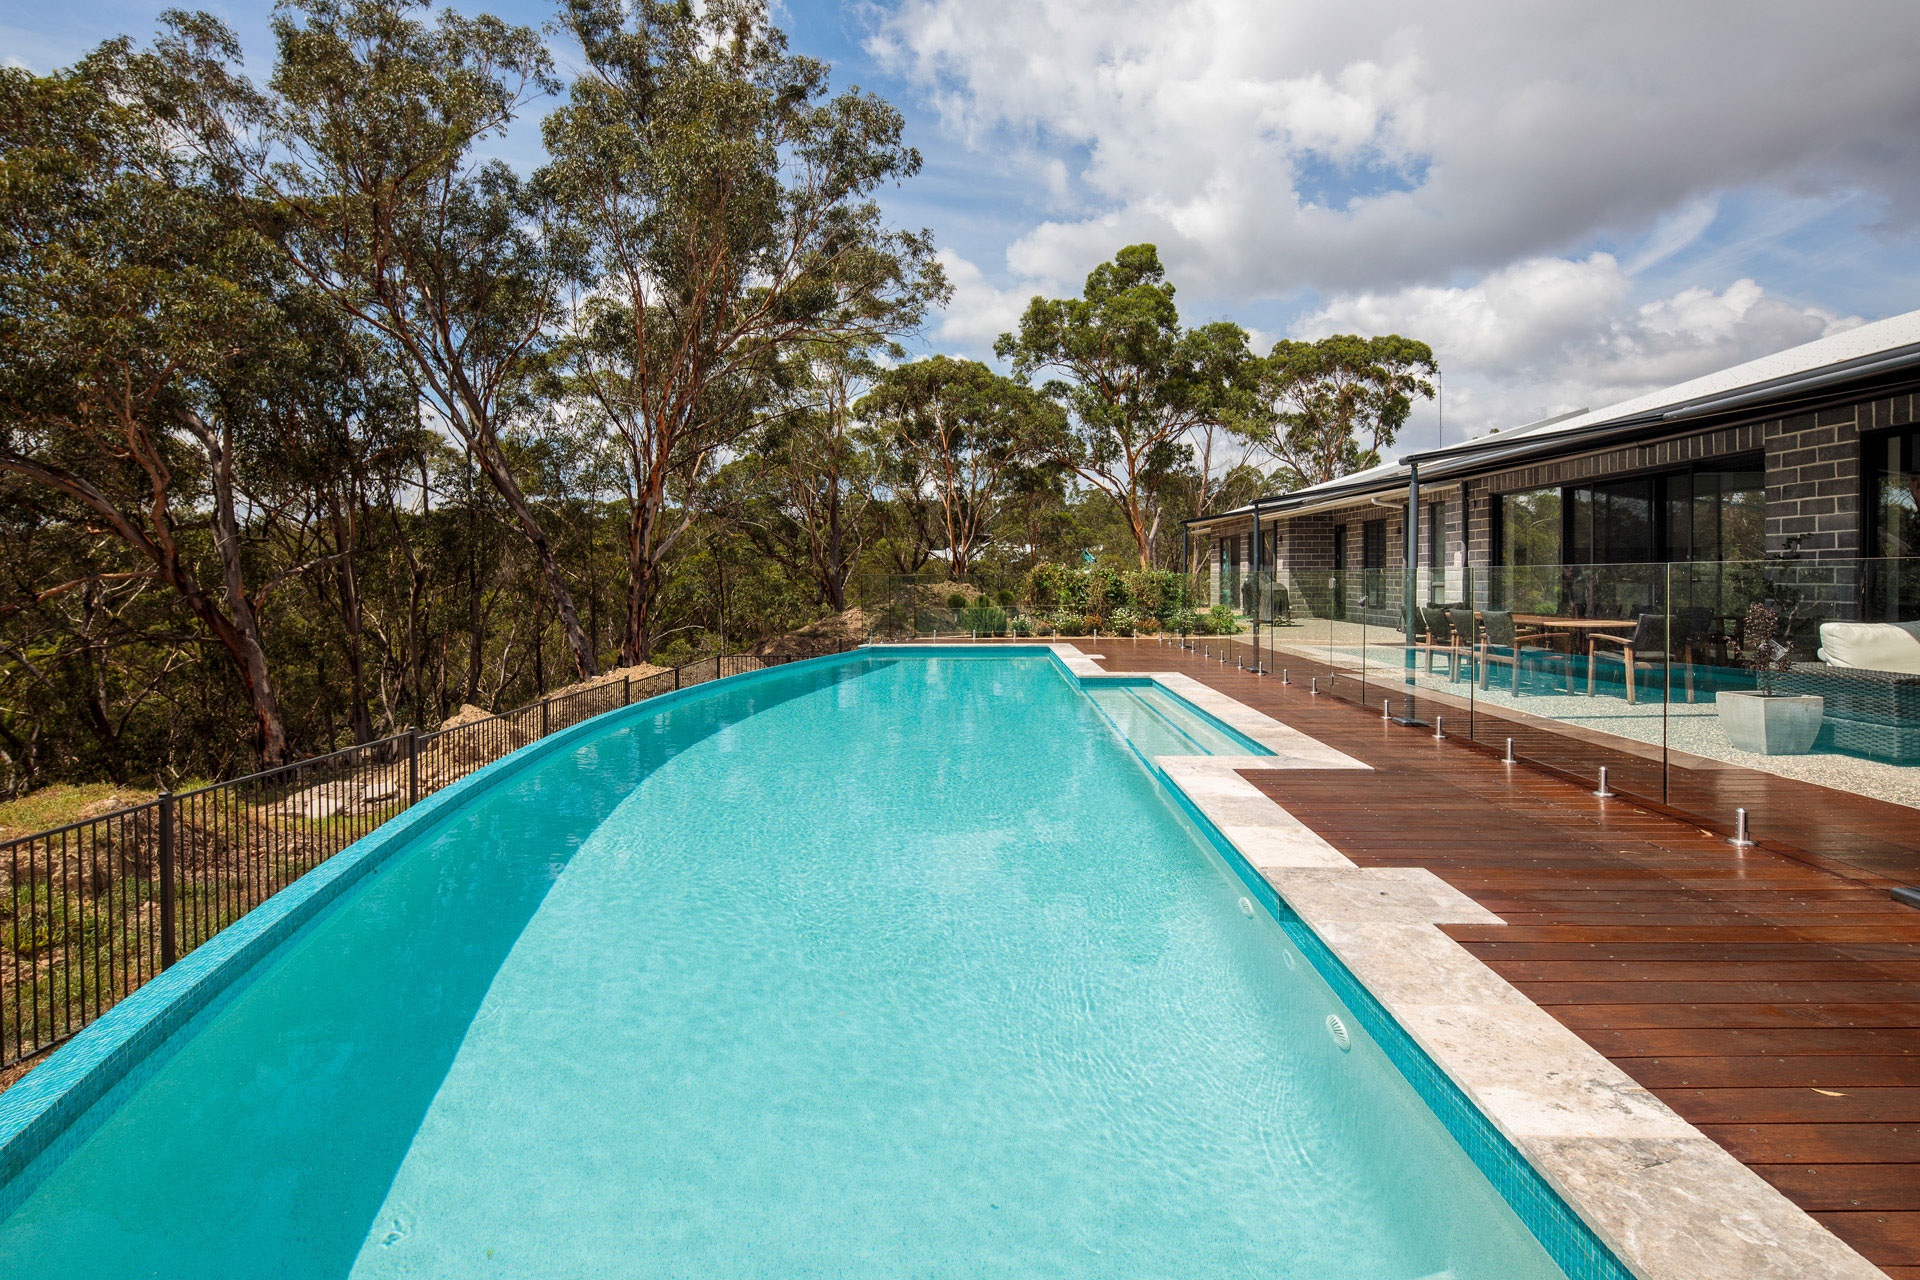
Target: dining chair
<point>1501,642</point>
<point>1649,648</point>
<point>1465,625</point>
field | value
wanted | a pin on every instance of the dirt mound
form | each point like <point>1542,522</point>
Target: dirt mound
<point>828,635</point>
<point>467,714</point>
<point>638,672</point>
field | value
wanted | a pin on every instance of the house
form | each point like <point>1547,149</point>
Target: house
<point>1807,454</point>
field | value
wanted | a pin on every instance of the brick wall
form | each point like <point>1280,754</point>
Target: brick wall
<point>1816,476</point>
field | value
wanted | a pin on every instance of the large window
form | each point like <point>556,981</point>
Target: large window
<point>1895,505</point>
<point>1529,527</point>
<point>1717,515</point>
<point>1896,496</point>
<point>1613,523</point>
<point>1712,513</point>
<point>1230,570</point>
<point>1373,544</point>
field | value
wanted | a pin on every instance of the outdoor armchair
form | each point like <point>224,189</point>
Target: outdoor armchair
<point>1466,635</point>
<point>1649,648</point>
<point>1435,635</point>
<point>1503,644</point>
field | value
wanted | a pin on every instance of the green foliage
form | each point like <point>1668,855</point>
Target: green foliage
<point>726,200</point>
<point>1052,587</point>
<point>966,435</point>
<point>987,620</point>
<point>1324,396</point>
<point>1219,621</point>
<point>957,600</point>
<point>1101,591</point>
<point>1133,381</point>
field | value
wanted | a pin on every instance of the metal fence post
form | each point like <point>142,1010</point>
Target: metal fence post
<point>716,666</point>
<point>676,677</point>
<point>626,691</point>
<point>545,718</point>
<point>413,765</point>
<point>168,943</point>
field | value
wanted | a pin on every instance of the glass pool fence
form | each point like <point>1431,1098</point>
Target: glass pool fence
<point>1664,675</point>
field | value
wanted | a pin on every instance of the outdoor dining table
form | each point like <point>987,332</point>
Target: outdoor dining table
<point>1576,629</point>
<point>1553,622</point>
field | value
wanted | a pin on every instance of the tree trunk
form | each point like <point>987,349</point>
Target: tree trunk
<point>485,452</point>
<point>269,731</point>
<point>347,576</point>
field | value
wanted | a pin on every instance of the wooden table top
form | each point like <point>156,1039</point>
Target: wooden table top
<point>1574,624</point>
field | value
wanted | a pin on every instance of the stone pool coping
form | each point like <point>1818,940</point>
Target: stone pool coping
<point>1670,1202</point>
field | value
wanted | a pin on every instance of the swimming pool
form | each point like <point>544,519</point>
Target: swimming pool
<point>877,966</point>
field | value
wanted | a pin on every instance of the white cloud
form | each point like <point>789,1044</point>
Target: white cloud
<point>1547,335</point>
<point>979,312</point>
<point>1269,147</point>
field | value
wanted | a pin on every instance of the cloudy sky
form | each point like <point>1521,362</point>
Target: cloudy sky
<point>1572,203</point>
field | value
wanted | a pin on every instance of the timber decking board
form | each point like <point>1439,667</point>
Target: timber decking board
<point>1735,985</point>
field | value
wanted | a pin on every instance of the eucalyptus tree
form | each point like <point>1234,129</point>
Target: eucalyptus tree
<point>727,196</point>
<point>972,433</point>
<point>1335,404</point>
<point>141,335</point>
<point>363,149</point>
<point>1135,383</point>
<point>807,490</point>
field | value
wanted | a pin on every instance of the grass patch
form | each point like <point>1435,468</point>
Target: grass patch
<point>57,805</point>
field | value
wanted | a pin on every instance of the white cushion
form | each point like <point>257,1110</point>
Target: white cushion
<point>1873,646</point>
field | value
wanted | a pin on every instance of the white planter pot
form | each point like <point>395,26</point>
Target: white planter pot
<point>1781,724</point>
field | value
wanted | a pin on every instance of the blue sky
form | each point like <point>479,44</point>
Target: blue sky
<point>1573,204</point>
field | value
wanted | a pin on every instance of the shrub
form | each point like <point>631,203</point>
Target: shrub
<point>1219,621</point>
<point>1124,621</point>
<point>1106,590</point>
<point>1022,625</point>
<point>1091,622</point>
<point>957,601</point>
<point>1054,587</point>
<point>1185,621</point>
<point>988,620</point>
<point>1153,592</point>
<point>1004,598</point>
<point>1063,622</point>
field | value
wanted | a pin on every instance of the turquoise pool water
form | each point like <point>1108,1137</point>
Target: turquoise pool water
<point>889,967</point>
<point>1156,723</point>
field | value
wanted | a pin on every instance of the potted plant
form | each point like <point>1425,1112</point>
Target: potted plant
<point>1760,720</point>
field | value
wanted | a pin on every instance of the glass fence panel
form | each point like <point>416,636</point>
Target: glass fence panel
<point>1569,666</point>
<point>1820,631</point>
<point>1301,631</point>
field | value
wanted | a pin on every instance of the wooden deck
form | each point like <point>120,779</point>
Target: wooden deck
<point>1771,996</point>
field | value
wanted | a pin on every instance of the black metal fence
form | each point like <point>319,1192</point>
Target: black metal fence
<point>92,910</point>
